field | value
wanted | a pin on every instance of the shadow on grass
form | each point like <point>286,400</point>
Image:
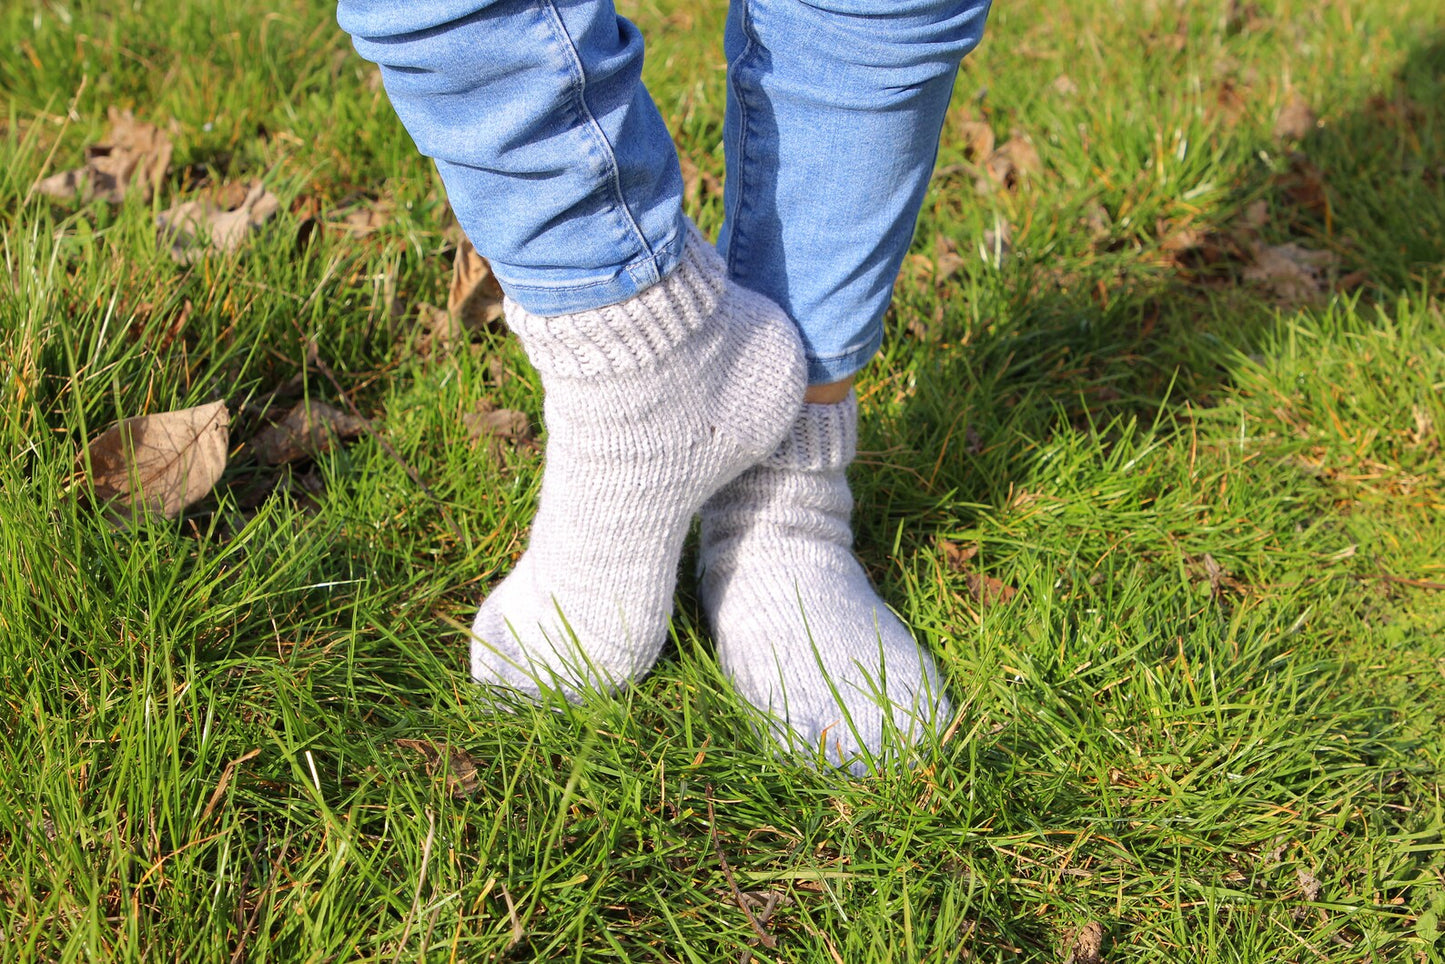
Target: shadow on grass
<point>1366,188</point>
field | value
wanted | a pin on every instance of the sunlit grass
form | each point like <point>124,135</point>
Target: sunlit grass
<point>1208,719</point>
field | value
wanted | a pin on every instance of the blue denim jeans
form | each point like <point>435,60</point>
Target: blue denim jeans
<point>563,174</point>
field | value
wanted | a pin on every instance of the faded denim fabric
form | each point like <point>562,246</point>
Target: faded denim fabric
<point>564,176</point>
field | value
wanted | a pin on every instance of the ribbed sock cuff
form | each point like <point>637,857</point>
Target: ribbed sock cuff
<point>632,334</point>
<point>823,437</point>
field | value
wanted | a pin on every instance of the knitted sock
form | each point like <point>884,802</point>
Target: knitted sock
<point>651,406</point>
<point>798,627</point>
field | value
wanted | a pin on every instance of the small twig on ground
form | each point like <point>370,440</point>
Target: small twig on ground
<point>1402,581</point>
<point>767,939</point>
<point>226,773</point>
<point>827,941</point>
<point>517,932</point>
<point>431,831</point>
<point>238,955</point>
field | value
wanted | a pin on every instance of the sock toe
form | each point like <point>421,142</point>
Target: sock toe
<point>799,629</point>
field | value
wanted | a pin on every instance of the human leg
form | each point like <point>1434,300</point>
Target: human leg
<point>663,379</point>
<point>555,159</point>
<point>833,118</point>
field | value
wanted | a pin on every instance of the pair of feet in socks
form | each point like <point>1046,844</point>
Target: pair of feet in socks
<point>686,400</point>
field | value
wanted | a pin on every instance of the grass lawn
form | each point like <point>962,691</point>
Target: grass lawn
<point>1152,459</point>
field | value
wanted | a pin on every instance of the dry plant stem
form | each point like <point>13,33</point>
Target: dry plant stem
<point>1412,583</point>
<point>767,939</point>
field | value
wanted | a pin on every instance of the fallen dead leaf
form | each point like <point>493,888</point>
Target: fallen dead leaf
<point>504,423</point>
<point>697,183</point>
<point>1309,885</point>
<point>499,427</point>
<point>364,219</point>
<point>983,589</point>
<point>978,140</point>
<point>1096,222</point>
<point>996,243</point>
<point>133,157</point>
<point>475,299</point>
<point>165,461</point>
<point>194,228</point>
<point>1291,274</point>
<point>462,774</point>
<point>1010,165</point>
<point>947,259</point>
<point>1230,102</point>
<point>988,591</point>
<point>306,431</point>
<point>1244,17</point>
<point>441,331</point>
<point>1256,215</point>
<point>1176,237</point>
<point>1088,945</point>
<point>1304,184</point>
<point>957,557</point>
<point>1296,119</point>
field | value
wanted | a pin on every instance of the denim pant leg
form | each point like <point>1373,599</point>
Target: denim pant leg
<point>555,158</point>
<point>833,117</point>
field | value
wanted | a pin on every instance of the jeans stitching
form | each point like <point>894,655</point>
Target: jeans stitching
<point>749,48</point>
<point>579,86</point>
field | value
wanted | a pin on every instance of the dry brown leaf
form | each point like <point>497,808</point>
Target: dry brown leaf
<point>1230,102</point>
<point>978,140</point>
<point>463,776</point>
<point>982,589</point>
<point>475,299</point>
<point>1096,222</point>
<point>193,228</point>
<point>165,461</point>
<point>1011,164</point>
<point>306,431</point>
<point>134,157</point>
<point>1256,215</point>
<point>490,421</point>
<point>1295,120</point>
<point>365,219</point>
<point>441,331</point>
<point>996,243</point>
<point>1176,237</point>
<point>988,591</point>
<point>499,427</point>
<point>1244,17</point>
<point>1088,945</point>
<point>1291,274</point>
<point>697,183</point>
<point>957,557</point>
<point>1304,184</point>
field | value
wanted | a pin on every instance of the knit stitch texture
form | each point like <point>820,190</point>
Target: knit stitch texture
<point>651,406</point>
<point>799,629</point>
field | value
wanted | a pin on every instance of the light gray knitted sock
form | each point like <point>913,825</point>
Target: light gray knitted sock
<point>798,627</point>
<point>651,406</point>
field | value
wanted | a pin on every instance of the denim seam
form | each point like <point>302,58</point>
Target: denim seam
<point>826,369</point>
<point>641,271</point>
<point>579,87</point>
<point>733,218</point>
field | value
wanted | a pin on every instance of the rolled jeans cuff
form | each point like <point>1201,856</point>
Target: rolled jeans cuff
<point>828,369</point>
<point>553,292</point>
